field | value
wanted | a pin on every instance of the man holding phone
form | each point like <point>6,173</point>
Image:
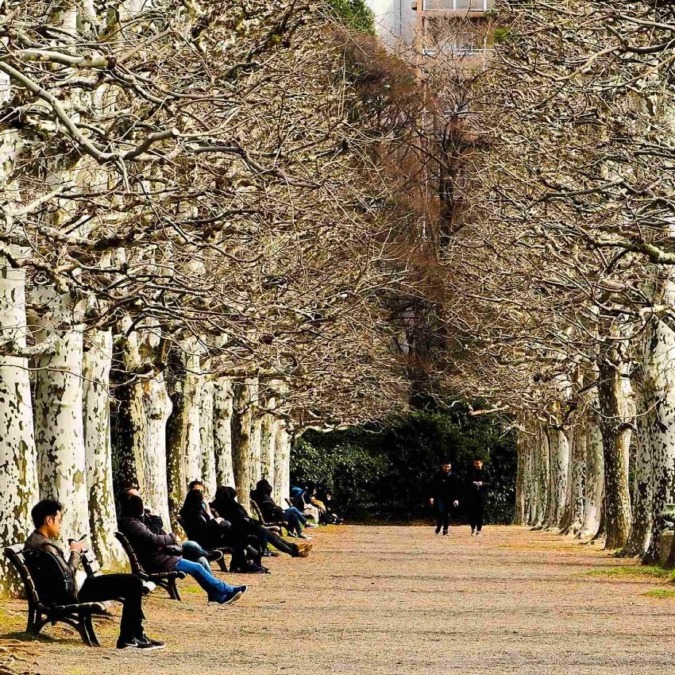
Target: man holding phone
<point>126,587</point>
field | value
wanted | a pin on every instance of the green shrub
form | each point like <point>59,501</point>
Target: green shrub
<point>355,14</point>
<point>383,472</point>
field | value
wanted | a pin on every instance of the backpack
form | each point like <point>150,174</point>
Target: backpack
<point>52,585</point>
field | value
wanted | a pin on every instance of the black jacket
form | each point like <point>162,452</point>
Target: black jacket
<point>270,511</point>
<point>475,493</point>
<point>53,574</point>
<point>445,487</point>
<point>150,548</point>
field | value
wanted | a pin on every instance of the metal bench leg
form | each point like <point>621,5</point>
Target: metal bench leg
<point>82,630</point>
<point>33,618</point>
<point>91,633</point>
<point>173,590</point>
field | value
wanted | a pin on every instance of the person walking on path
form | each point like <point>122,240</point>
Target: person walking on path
<point>444,495</point>
<point>478,485</point>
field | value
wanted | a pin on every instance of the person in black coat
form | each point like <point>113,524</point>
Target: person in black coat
<point>444,495</point>
<point>245,528</point>
<point>478,484</point>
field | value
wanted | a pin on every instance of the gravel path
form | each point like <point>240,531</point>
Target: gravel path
<point>378,600</point>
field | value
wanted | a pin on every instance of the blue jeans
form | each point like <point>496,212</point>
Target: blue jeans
<point>295,519</point>
<point>194,552</point>
<point>215,589</point>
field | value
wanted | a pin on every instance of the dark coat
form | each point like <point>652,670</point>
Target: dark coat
<point>445,487</point>
<point>270,511</point>
<point>475,494</point>
<point>152,549</point>
<point>37,543</point>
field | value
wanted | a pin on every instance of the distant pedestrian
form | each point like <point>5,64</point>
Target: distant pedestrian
<point>478,484</point>
<point>444,495</point>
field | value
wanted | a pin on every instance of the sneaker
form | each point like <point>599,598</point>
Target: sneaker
<point>154,644</point>
<point>214,556</point>
<point>473,534</point>
<point>438,530</point>
<point>137,643</point>
<point>311,526</point>
<point>292,535</point>
<point>304,536</point>
<point>303,550</point>
<point>479,533</point>
<point>234,595</point>
<point>149,587</point>
<point>445,533</point>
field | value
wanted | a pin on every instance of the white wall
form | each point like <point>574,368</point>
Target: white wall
<point>395,21</point>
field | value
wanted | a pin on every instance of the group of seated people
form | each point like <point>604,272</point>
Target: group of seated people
<point>210,526</point>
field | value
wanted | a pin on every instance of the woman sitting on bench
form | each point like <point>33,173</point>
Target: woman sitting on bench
<point>160,553</point>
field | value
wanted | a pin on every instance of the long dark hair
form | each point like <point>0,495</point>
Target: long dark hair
<point>132,507</point>
<point>193,503</point>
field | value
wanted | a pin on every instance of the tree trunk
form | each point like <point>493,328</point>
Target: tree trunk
<point>268,434</point>
<point>18,460</point>
<point>222,431</point>
<point>96,409</point>
<point>573,517</point>
<point>242,423</point>
<point>256,446</point>
<point>208,464</point>
<point>522,479</point>
<point>594,483</point>
<point>616,442</point>
<point>183,456</point>
<point>156,406</point>
<point>542,470</point>
<point>59,427</point>
<point>559,468</point>
<point>282,462</point>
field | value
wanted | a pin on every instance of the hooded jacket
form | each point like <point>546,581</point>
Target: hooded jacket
<point>150,548</point>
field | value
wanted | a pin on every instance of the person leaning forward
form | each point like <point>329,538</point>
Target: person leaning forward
<point>46,516</point>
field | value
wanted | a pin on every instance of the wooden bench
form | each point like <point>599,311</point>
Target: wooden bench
<point>167,580</point>
<point>276,526</point>
<point>40,612</point>
<point>223,549</point>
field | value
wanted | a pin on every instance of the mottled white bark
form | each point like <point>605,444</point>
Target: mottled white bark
<point>242,424</point>
<point>256,446</point>
<point>573,517</point>
<point>222,431</point>
<point>559,471</point>
<point>613,407</point>
<point>193,384</point>
<point>18,462</point>
<point>268,434</point>
<point>59,427</point>
<point>96,412</point>
<point>594,483</point>
<point>157,408</point>
<point>282,479</point>
<point>206,433</point>
<point>542,471</point>
<point>183,441</point>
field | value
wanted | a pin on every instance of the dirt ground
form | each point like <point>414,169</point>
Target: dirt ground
<point>398,600</point>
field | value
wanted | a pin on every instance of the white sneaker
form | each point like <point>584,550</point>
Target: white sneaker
<point>479,534</point>
<point>473,534</point>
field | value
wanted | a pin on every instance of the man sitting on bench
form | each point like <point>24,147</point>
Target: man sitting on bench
<point>126,587</point>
